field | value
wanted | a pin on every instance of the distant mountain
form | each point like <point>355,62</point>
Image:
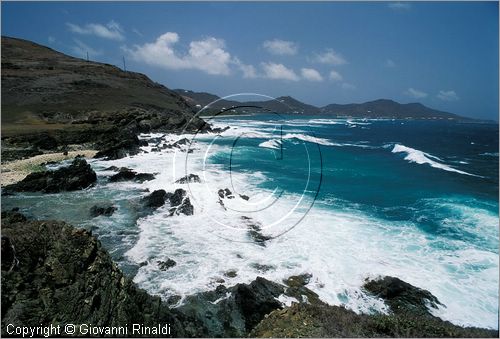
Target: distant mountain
<point>382,108</point>
<point>281,104</point>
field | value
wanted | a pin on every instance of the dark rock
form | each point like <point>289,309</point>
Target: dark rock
<point>106,210</point>
<point>46,142</point>
<point>112,168</point>
<point>296,288</point>
<point>219,130</point>
<point>123,175</point>
<point>77,176</point>
<point>255,231</point>
<point>63,275</point>
<point>262,267</point>
<point>188,178</point>
<point>244,197</point>
<point>9,259</point>
<point>155,199</point>
<point>401,296</point>
<point>118,145</point>
<point>177,197</point>
<point>225,193</point>
<point>141,177</point>
<point>231,273</point>
<point>126,174</point>
<point>185,208</point>
<point>298,280</point>
<point>320,320</point>
<point>234,311</point>
<point>13,216</point>
<point>165,265</point>
<point>183,141</point>
<point>178,201</point>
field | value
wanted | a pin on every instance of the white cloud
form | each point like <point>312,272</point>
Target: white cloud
<point>136,31</point>
<point>207,55</point>
<point>415,93</point>
<point>448,95</point>
<point>81,49</point>
<point>399,5</point>
<point>112,30</point>
<point>311,74</point>
<point>389,63</point>
<point>329,57</point>
<point>346,85</point>
<point>335,76</point>
<point>248,71</point>
<point>281,47</point>
<point>51,39</point>
<point>278,71</point>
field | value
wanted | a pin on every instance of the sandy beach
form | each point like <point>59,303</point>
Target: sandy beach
<point>17,170</point>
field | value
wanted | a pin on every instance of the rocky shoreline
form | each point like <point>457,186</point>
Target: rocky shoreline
<point>54,273</point>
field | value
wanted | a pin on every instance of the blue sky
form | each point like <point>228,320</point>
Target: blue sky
<point>444,54</point>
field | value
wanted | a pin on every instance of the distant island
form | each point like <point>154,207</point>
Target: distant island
<point>376,109</point>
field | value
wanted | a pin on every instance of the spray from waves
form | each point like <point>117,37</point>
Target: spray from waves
<point>273,144</point>
<point>419,157</point>
<point>340,248</point>
<point>489,154</point>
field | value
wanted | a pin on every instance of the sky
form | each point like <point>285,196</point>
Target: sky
<point>442,54</point>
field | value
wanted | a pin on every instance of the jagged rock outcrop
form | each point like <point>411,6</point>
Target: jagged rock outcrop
<point>314,318</point>
<point>106,210</point>
<point>53,273</point>
<point>402,297</point>
<point>125,174</point>
<point>77,176</point>
<point>233,311</point>
<point>188,179</point>
<point>178,201</point>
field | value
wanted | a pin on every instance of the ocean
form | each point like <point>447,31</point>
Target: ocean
<point>341,199</point>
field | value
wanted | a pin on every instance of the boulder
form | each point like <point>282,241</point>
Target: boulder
<point>233,311</point>
<point>188,178</point>
<point>155,199</point>
<point>401,296</point>
<point>106,210</point>
<point>165,265</point>
<point>225,193</point>
<point>126,174</point>
<point>77,176</point>
<point>180,203</point>
<point>255,231</point>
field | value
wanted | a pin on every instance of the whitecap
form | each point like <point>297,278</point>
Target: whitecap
<point>420,157</point>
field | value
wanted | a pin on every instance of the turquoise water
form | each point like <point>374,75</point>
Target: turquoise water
<point>343,200</point>
<point>358,168</point>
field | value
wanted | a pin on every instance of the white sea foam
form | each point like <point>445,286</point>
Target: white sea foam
<point>273,144</point>
<point>339,248</point>
<point>490,154</point>
<point>419,157</point>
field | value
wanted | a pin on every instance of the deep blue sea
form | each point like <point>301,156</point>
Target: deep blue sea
<point>343,199</point>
